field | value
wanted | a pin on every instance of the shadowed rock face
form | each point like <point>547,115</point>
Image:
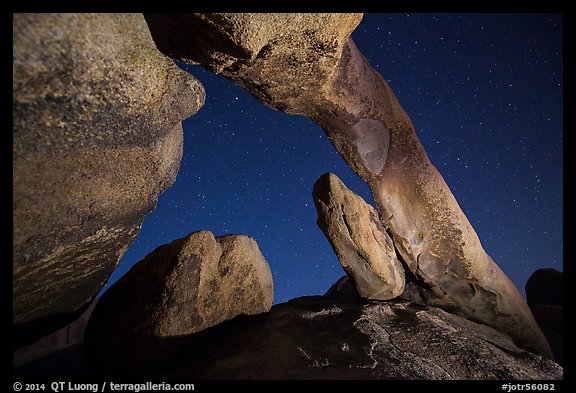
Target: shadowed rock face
<point>70,335</point>
<point>545,296</point>
<point>360,241</point>
<point>179,289</point>
<point>319,338</point>
<point>307,64</point>
<point>373,340</point>
<point>343,289</point>
<point>96,138</point>
<point>545,286</point>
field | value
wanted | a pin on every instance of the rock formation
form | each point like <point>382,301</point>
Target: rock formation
<point>96,137</point>
<point>376,340</point>
<point>179,289</point>
<point>320,338</point>
<point>344,288</point>
<point>545,295</point>
<point>307,64</point>
<point>361,243</point>
<point>545,286</point>
<point>70,335</point>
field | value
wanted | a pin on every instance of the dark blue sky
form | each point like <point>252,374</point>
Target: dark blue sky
<point>484,92</point>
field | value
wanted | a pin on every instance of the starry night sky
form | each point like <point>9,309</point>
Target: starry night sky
<point>484,92</point>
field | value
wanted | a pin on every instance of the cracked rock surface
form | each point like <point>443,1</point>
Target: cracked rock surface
<point>320,338</point>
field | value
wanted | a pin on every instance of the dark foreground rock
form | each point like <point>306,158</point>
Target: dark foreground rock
<point>545,296</point>
<point>96,138</point>
<point>343,289</point>
<point>320,338</point>
<point>179,289</point>
<point>545,286</point>
<point>70,335</point>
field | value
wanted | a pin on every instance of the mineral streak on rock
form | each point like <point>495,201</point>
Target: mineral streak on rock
<point>96,138</point>
<point>179,289</point>
<point>307,64</point>
<point>359,239</point>
<point>372,140</point>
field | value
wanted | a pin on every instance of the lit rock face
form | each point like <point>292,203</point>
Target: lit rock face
<point>307,64</point>
<point>179,289</point>
<point>96,137</point>
<point>282,59</point>
<point>361,243</point>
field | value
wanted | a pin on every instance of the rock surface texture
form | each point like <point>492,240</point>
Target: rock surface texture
<point>359,239</point>
<point>179,289</point>
<point>96,138</point>
<point>319,338</point>
<point>307,64</point>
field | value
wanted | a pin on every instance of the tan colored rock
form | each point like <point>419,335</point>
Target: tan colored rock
<point>96,138</point>
<point>429,230</point>
<point>294,70</point>
<point>359,239</point>
<point>179,289</point>
<point>283,59</point>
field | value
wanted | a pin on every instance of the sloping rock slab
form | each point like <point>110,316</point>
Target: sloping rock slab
<point>319,338</point>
